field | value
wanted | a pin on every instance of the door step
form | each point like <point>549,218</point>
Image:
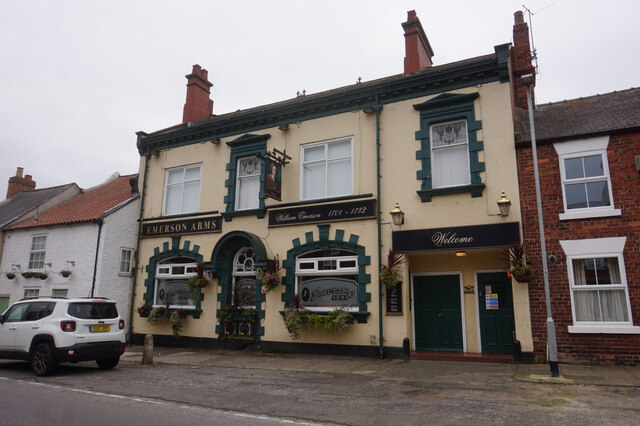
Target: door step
<point>461,357</point>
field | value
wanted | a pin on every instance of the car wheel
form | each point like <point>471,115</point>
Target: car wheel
<point>42,361</point>
<point>108,363</point>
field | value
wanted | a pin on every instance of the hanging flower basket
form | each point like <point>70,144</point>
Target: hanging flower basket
<point>10,275</point>
<point>271,278</point>
<point>41,275</point>
<point>65,273</point>
<point>522,277</point>
<point>27,274</point>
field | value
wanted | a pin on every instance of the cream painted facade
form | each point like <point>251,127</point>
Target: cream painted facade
<point>325,117</point>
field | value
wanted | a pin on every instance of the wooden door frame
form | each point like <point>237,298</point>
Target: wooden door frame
<point>462,310</point>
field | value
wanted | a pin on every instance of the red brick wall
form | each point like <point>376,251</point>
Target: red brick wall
<point>625,181</point>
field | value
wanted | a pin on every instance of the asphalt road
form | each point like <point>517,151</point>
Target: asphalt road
<point>182,394</point>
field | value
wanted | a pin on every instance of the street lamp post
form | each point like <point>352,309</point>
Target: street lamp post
<point>528,81</point>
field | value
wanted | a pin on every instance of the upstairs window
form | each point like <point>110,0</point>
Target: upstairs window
<point>584,171</point>
<point>37,251</point>
<point>327,169</point>
<point>450,154</point>
<point>248,183</point>
<point>182,190</point>
<point>125,261</point>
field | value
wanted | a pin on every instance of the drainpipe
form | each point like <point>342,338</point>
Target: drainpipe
<point>377,107</point>
<point>136,256</point>
<point>95,262</point>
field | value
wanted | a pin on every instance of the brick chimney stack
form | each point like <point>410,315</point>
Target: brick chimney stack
<point>520,62</point>
<point>418,52</point>
<point>198,105</point>
<point>19,183</point>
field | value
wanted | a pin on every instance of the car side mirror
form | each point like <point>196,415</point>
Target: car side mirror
<point>3,318</point>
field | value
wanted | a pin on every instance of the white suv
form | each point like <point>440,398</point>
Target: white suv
<point>48,330</point>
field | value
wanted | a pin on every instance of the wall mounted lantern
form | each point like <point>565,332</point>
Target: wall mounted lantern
<point>504,204</point>
<point>397,215</point>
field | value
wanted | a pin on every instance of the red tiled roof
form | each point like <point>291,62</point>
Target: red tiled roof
<point>86,207</point>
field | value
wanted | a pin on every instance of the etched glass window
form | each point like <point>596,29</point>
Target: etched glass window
<point>450,154</point>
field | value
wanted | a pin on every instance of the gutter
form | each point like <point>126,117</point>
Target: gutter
<point>136,256</point>
<point>377,107</point>
<point>100,222</point>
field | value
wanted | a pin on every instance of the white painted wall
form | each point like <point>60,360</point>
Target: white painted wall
<point>74,243</point>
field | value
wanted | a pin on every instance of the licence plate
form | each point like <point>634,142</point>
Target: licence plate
<point>99,328</point>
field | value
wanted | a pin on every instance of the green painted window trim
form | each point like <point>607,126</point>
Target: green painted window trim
<point>449,107</point>
<point>167,253</point>
<point>245,146</point>
<point>221,266</point>
<point>289,264</point>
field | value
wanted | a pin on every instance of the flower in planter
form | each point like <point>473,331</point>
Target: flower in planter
<point>271,279</point>
<point>389,275</point>
<point>518,268</point>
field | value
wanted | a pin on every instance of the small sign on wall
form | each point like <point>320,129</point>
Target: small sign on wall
<point>491,301</point>
<point>394,300</point>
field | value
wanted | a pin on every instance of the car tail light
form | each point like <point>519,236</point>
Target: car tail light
<point>121,324</point>
<point>68,325</point>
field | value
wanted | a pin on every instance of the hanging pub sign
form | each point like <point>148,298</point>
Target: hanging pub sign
<point>185,226</point>
<point>323,213</point>
<point>273,180</point>
<point>494,235</point>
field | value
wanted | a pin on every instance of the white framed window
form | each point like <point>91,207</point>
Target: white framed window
<point>171,283</point>
<point>597,279</point>
<point>449,154</point>
<point>37,251</point>
<point>59,292</point>
<point>248,183</point>
<point>126,256</point>
<point>182,190</point>
<point>584,171</point>
<point>326,169</point>
<point>244,289</point>
<point>328,279</point>
<point>31,292</point>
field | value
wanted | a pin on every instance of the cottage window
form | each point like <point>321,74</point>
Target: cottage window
<point>327,169</point>
<point>248,183</point>
<point>31,292</point>
<point>450,154</point>
<point>599,293</point>
<point>328,279</point>
<point>125,261</point>
<point>586,186</point>
<point>37,251</point>
<point>182,190</point>
<point>171,283</point>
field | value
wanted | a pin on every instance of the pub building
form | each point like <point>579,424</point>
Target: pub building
<point>296,206</point>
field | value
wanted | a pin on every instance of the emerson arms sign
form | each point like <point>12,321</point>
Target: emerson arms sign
<point>179,227</point>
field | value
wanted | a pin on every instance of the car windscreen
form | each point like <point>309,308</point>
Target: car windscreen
<point>93,310</point>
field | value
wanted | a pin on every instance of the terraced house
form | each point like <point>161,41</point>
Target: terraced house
<point>282,227</point>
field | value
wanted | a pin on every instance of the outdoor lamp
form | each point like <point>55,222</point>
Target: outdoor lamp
<point>504,203</point>
<point>397,215</point>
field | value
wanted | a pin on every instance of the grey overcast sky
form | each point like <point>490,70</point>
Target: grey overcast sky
<point>78,78</point>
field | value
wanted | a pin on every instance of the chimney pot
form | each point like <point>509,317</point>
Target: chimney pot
<point>19,183</point>
<point>418,52</point>
<point>198,105</point>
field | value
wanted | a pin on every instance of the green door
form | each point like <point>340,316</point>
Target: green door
<point>438,317</point>
<point>495,302</point>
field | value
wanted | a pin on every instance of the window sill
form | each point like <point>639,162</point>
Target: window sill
<point>360,317</point>
<point>475,190</point>
<point>586,214</point>
<point>603,329</point>
<point>259,213</point>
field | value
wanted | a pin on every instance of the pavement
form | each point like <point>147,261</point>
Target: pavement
<point>600,375</point>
